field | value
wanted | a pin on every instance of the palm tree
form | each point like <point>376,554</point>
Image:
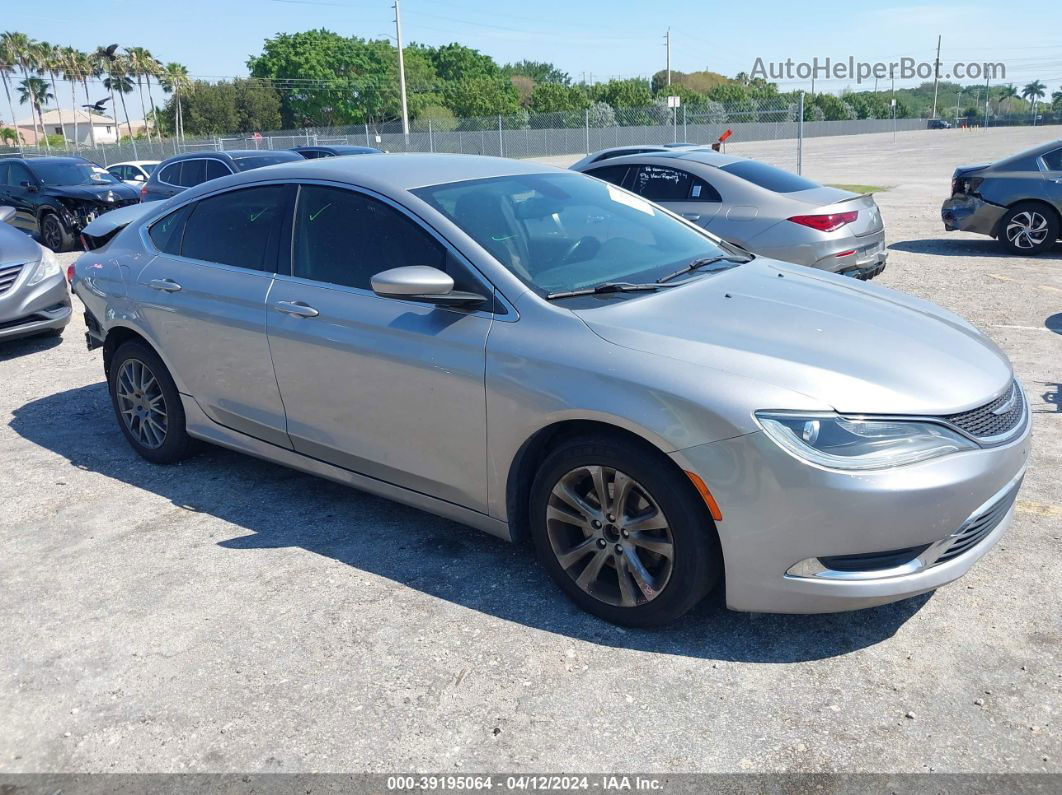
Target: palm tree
<point>71,64</point>
<point>1006,93</point>
<point>119,81</point>
<point>49,58</point>
<point>86,68</point>
<point>1056,100</point>
<point>174,79</point>
<point>1032,92</point>
<point>102,62</point>
<point>20,47</point>
<point>140,63</point>
<point>7,68</point>
<point>33,91</point>
<point>154,70</point>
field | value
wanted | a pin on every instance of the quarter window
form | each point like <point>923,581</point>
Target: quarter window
<point>171,174</point>
<point>215,169</point>
<point>343,237</point>
<point>1053,160</point>
<point>166,233</point>
<point>238,228</point>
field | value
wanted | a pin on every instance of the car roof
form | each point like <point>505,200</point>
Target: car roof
<point>705,156</point>
<point>227,154</point>
<point>336,148</point>
<point>48,159</point>
<point>134,163</point>
<point>396,172</point>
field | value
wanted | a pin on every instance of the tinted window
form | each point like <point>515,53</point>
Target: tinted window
<point>613,174</point>
<point>240,227</point>
<point>78,172</point>
<point>193,172</point>
<point>662,184</point>
<point>215,169</point>
<point>171,174</point>
<point>343,237</point>
<point>149,168</point>
<point>265,159</point>
<point>166,232</point>
<point>701,191</point>
<point>120,172</point>
<point>1053,160</point>
<point>769,177</point>
<point>309,154</point>
<point>18,174</point>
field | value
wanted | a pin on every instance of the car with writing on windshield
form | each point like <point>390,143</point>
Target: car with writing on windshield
<point>763,209</point>
<point>55,197</point>
<point>184,171</point>
<point>550,357</point>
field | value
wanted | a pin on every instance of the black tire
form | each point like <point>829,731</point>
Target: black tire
<point>54,233</point>
<point>176,444</point>
<point>1029,228</point>
<point>696,560</point>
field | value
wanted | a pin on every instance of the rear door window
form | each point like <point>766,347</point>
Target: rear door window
<point>660,184</point>
<point>193,172</point>
<point>1053,160</point>
<point>240,227</point>
<point>171,174</point>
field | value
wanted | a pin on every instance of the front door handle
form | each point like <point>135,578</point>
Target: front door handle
<point>166,285</point>
<point>295,309</point>
<point>692,216</point>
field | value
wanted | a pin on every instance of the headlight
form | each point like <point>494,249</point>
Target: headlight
<point>48,266</point>
<point>839,443</point>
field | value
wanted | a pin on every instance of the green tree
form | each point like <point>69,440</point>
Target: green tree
<point>257,106</point>
<point>174,80</point>
<point>456,62</point>
<point>481,96</point>
<point>33,91</point>
<point>539,71</point>
<point>7,69</point>
<point>1033,93</point>
<point>22,52</point>
<point>632,93</point>
<point>442,118</point>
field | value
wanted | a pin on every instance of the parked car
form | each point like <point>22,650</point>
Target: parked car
<point>617,151</point>
<point>314,152</point>
<point>180,172</point>
<point>763,209</point>
<point>54,197</point>
<point>541,354</point>
<point>134,172</point>
<point>938,124</point>
<point>1017,200</point>
<point>33,294</point>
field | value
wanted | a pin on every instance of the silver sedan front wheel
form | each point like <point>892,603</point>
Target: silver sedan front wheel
<point>610,536</point>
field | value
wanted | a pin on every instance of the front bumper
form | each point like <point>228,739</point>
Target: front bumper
<point>43,307</point>
<point>966,213</point>
<point>780,514</point>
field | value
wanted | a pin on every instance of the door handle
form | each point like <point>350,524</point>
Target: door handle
<point>692,216</point>
<point>295,309</point>
<point>165,285</point>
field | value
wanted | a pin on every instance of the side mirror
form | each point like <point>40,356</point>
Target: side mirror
<point>422,283</point>
<point>28,185</point>
<point>138,178</point>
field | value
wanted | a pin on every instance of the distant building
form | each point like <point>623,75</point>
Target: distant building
<point>107,130</point>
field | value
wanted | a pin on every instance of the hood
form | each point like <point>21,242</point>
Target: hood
<point>851,346</point>
<point>16,247</point>
<point>92,193</point>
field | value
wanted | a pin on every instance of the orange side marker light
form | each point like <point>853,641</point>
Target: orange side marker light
<point>709,500</point>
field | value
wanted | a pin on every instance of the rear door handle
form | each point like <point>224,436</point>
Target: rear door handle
<point>692,216</point>
<point>166,285</point>
<point>295,309</point>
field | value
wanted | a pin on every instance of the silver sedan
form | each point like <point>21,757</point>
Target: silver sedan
<point>761,208</point>
<point>546,356</point>
<point>33,294</point>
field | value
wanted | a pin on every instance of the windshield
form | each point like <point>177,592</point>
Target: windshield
<point>73,174</point>
<point>258,161</point>
<point>560,232</point>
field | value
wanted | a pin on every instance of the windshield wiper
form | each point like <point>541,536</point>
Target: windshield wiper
<point>702,262</point>
<point>608,287</point>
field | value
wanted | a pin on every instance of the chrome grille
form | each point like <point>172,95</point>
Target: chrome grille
<point>994,419</point>
<point>8,274</point>
<point>977,528</point>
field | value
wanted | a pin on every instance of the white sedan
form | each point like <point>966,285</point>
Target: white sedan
<point>133,172</point>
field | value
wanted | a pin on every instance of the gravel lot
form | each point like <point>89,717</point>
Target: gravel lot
<point>232,615</point>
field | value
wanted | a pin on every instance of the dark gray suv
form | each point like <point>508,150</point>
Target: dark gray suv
<point>181,172</point>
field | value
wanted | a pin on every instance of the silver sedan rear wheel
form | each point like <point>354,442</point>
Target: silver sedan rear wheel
<point>141,403</point>
<point>610,536</point>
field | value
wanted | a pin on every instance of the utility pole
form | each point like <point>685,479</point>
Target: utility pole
<point>936,77</point>
<point>401,70</point>
<point>667,43</point>
<point>988,96</point>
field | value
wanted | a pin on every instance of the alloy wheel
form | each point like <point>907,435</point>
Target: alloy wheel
<point>1027,229</point>
<point>610,536</point>
<point>52,234</point>
<point>141,403</point>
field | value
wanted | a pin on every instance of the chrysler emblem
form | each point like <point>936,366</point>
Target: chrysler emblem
<point>1007,405</point>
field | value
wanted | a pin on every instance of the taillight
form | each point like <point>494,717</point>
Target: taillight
<point>826,223</point>
<point>143,193</point>
<point>70,273</point>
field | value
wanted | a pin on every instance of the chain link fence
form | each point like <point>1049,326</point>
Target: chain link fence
<point>525,135</point>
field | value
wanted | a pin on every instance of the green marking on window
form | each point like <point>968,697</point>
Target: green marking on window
<point>499,238</point>
<point>313,216</point>
<point>257,215</point>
